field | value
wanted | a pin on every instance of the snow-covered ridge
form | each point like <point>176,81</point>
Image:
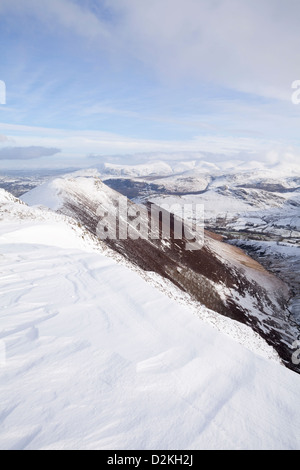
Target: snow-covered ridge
<point>49,194</point>
<point>92,356</point>
<point>168,167</point>
<point>219,276</point>
<point>40,226</point>
<point>150,169</point>
<point>6,197</point>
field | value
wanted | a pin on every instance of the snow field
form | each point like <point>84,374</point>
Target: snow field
<point>96,358</point>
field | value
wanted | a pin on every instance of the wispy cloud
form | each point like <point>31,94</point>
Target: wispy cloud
<point>249,46</point>
<point>26,153</point>
<point>109,110</point>
<point>81,143</point>
<point>85,148</point>
<point>119,77</point>
<point>64,13</point>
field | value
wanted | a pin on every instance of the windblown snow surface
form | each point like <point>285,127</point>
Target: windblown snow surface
<point>94,357</point>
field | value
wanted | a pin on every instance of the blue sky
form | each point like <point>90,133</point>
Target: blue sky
<point>90,79</point>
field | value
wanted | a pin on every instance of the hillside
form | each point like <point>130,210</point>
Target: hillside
<point>97,358</point>
<point>219,276</point>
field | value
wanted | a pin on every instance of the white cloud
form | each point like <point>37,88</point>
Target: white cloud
<point>82,143</point>
<point>87,148</point>
<point>248,45</point>
<point>251,46</point>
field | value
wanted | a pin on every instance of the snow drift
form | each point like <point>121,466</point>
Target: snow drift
<point>96,358</point>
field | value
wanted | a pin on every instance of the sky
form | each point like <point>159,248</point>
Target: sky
<point>89,81</point>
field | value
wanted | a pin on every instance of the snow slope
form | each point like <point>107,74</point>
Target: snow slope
<point>6,197</point>
<point>67,232</point>
<point>218,276</point>
<point>93,357</point>
<point>96,358</point>
<point>282,258</point>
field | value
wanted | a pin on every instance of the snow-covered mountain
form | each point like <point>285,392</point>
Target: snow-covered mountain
<point>259,211</point>
<point>241,201</point>
<point>92,356</point>
<point>219,276</point>
<point>19,182</point>
<point>6,198</point>
<point>251,204</point>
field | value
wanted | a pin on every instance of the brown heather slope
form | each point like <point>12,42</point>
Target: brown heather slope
<point>219,276</point>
